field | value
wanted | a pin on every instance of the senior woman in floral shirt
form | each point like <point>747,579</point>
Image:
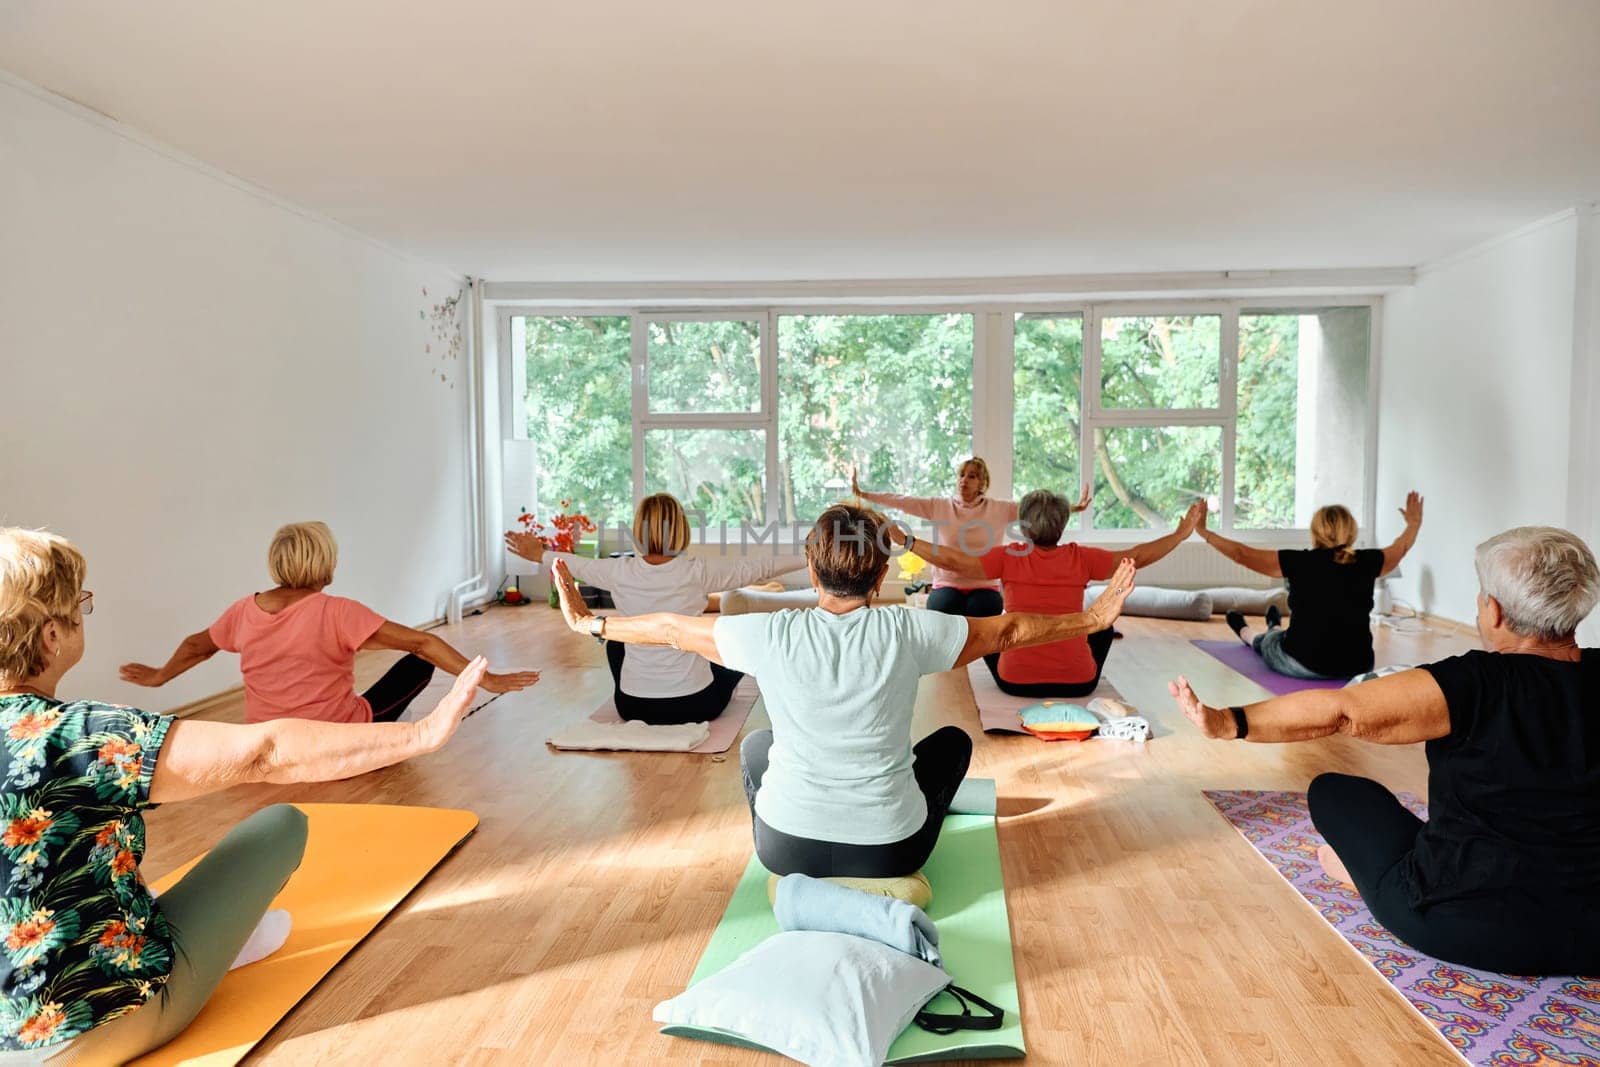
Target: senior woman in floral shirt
<point>93,969</point>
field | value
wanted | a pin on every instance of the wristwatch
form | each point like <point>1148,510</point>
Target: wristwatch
<point>597,625</point>
<point>910,540</point>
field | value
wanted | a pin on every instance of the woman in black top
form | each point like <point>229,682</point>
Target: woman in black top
<point>1330,594</point>
<point>1504,874</point>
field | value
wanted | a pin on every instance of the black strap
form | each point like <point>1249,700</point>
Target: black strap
<point>937,1023</point>
<point>1241,725</point>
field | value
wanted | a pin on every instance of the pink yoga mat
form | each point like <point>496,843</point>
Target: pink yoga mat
<point>997,711</point>
<point>1244,660</point>
<point>1493,1020</point>
<point>724,728</point>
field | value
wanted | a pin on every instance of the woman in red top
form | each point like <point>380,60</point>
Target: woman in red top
<point>1042,575</point>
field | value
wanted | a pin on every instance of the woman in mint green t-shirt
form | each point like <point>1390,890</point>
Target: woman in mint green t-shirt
<point>836,787</point>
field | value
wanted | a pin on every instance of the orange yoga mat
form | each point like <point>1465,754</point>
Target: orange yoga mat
<point>361,861</point>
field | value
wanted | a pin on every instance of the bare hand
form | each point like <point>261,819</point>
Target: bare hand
<point>1215,723</point>
<point>573,609</point>
<point>1193,519</point>
<point>855,488</point>
<point>1108,605</point>
<point>1083,501</point>
<point>1412,512</point>
<point>897,533</point>
<point>509,683</point>
<point>525,544</point>
<point>140,674</point>
<point>441,722</point>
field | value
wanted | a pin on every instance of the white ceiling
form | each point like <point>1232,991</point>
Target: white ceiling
<point>740,139</point>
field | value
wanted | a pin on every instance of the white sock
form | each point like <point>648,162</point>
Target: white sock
<point>268,937</point>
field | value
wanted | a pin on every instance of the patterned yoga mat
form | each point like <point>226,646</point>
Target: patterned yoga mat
<point>1493,1020</point>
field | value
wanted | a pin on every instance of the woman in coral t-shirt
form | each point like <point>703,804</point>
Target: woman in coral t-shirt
<point>1043,575</point>
<point>973,521</point>
<point>297,645</point>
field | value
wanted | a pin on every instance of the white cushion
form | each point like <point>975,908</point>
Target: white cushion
<point>1248,601</point>
<point>820,998</point>
<point>1157,603</point>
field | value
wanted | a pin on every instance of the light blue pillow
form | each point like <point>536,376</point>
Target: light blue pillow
<point>820,998</point>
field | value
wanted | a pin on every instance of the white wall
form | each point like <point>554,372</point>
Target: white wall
<point>1475,412</point>
<point>189,364</point>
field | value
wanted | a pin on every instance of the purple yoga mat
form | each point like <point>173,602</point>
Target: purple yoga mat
<point>724,728</point>
<point>1493,1020</point>
<point>1244,660</point>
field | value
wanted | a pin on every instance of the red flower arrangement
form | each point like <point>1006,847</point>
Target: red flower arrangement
<point>568,528</point>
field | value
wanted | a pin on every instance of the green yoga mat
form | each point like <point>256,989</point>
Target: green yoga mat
<point>969,907</point>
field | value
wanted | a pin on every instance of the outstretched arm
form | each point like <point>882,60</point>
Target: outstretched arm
<point>949,557</point>
<point>205,757</point>
<point>1397,709</point>
<point>1021,629</point>
<point>1152,551</point>
<point>1261,560</point>
<point>440,653</point>
<point>920,506</point>
<point>1412,513</point>
<point>192,651</point>
<point>688,633</point>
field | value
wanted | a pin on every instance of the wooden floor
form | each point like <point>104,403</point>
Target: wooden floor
<point>1146,929</point>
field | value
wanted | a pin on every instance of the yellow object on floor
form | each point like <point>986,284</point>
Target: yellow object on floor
<point>911,888</point>
<point>361,861</point>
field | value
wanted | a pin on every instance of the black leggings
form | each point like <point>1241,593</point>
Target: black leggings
<point>394,692</point>
<point>973,603</point>
<point>941,761</point>
<point>1099,648</point>
<point>1511,931</point>
<point>703,706</point>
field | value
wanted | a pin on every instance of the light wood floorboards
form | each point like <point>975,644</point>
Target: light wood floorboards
<point>1146,930</point>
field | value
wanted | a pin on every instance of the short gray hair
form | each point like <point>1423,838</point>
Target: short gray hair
<point>1545,579</point>
<point>1043,517</point>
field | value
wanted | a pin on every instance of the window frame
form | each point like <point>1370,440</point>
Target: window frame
<point>993,378</point>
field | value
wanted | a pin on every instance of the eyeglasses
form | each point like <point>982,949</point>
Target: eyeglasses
<point>86,603</point>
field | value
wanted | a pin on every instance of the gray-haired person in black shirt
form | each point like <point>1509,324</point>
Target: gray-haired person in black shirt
<point>1504,874</point>
<point>1330,593</point>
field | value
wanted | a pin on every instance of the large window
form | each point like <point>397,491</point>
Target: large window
<point>1046,415</point>
<point>759,415</point>
<point>1260,412</point>
<point>890,395</point>
<point>576,411</point>
<point>1302,414</point>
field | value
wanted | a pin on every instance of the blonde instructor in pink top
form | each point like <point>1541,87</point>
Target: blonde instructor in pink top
<point>970,521</point>
<point>297,645</point>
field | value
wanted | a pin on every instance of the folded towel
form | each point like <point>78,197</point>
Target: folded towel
<point>806,903</point>
<point>631,736</point>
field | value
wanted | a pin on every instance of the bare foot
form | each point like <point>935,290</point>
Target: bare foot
<point>1333,866</point>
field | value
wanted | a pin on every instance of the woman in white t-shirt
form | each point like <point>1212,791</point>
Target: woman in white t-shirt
<point>663,685</point>
<point>836,788</point>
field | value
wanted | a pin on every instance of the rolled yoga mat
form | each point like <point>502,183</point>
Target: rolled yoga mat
<point>997,711</point>
<point>361,861</point>
<point>1487,1018</point>
<point>724,728</point>
<point>969,907</point>
<point>1244,660</point>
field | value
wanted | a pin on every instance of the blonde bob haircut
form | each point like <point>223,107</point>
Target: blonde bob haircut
<point>977,464</point>
<point>41,577</point>
<point>303,555</point>
<point>1334,527</point>
<point>660,528</point>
